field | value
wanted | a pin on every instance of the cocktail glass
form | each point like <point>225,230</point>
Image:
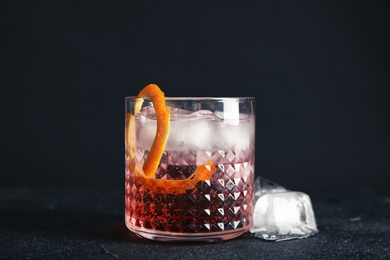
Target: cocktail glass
<point>203,188</point>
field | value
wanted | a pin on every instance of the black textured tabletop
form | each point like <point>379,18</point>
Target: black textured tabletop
<point>88,223</point>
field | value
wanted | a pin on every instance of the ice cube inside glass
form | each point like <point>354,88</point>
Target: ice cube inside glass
<point>217,130</point>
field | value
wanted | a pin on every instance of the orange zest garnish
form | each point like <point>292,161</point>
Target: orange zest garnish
<point>202,172</point>
<point>154,93</point>
<point>130,138</point>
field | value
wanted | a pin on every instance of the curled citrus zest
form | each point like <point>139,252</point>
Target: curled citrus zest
<point>130,138</point>
<point>202,172</point>
<point>154,93</point>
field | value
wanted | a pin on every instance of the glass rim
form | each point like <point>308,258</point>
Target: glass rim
<point>197,98</point>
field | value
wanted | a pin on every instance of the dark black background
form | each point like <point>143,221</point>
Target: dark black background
<point>319,71</point>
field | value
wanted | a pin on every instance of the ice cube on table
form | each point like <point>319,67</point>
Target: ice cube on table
<point>262,185</point>
<point>281,214</point>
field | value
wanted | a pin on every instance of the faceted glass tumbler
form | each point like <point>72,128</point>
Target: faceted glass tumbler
<point>216,135</point>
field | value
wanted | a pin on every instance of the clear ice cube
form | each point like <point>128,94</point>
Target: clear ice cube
<point>281,214</point>
<point>201,130</point>
<point>178,113</point>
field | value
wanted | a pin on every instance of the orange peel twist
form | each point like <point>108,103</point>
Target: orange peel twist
<point>154,93</point>
<point>202,172</point>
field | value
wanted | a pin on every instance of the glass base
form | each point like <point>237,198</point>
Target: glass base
<point>190,237</point>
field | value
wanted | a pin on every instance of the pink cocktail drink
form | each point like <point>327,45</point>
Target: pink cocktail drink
<point>218,208</point>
